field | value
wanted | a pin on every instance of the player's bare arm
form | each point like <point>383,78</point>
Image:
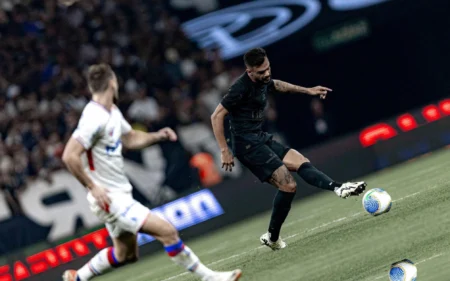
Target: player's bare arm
<point>138,139</point>
<point>72,158</point>
<point>285,87</point>
<point>217,119</point>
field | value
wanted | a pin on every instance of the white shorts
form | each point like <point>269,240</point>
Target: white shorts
<point>124,215</point>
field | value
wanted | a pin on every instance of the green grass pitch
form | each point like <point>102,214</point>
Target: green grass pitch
<point>332,239</point>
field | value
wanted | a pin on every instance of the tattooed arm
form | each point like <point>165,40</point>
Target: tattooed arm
<point>284,87</point>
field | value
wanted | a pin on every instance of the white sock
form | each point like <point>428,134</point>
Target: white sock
<point>104,261</point>
<point>185,257</point>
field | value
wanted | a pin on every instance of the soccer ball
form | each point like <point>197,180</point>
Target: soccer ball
<point>377,201</point>
<point>404,270</point>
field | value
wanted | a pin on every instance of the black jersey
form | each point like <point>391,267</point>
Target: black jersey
<point>246,102</point>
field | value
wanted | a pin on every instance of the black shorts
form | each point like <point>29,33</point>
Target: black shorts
<point>264,159</point>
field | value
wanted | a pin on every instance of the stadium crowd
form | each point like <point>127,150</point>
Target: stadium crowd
<point>45,49</point>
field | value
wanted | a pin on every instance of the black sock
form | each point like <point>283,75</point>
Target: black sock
<point>316,178</point>
<point>281,208</point>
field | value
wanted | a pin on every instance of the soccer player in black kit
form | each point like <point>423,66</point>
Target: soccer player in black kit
<point>267,159</point>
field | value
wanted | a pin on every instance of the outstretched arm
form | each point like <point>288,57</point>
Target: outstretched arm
<point>284,87</point>
<point>138,140</point>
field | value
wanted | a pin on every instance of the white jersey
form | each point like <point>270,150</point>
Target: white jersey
<point>100,132</point>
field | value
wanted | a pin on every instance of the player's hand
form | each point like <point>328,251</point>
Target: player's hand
<point>319,91</point>
<point>168,134</point>
<point>101,196</point>
<point>227,160</point>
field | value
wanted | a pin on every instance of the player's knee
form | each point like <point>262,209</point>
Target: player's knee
<point>290,187</point>
<point>293,163</point>
<point>302,159</point>
<point>132,258</point>
<point>170,235</point>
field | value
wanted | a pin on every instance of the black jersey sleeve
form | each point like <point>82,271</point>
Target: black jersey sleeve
<point>233,98</point>
<point>271,87</point>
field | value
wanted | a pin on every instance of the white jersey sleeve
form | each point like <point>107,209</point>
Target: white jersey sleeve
<point>89,127</point>
<point>126,127</point>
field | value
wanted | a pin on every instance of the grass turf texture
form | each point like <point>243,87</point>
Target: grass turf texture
<point>334,239</point>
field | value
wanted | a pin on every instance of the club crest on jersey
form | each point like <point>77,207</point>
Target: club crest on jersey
<point>110,148</point>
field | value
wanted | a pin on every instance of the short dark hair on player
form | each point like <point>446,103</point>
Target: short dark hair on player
<point>255,57</point>
<point>98,77</point>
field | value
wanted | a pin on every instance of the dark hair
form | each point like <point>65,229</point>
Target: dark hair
<point>98,77</point>
<point>255,57</point>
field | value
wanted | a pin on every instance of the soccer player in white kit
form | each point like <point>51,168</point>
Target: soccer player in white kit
<point>94,156</point>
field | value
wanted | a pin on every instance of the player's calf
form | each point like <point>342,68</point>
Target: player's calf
<point>182,254</point>
<point>105,260</point>
<point>310,174</point>
<point>316,178</point>
<point>296,162</point>
<point>283,180</point>
<point>174,246</point>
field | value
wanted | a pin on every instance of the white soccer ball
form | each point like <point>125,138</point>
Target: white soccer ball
<point>377,201</point>
<point>404,270</point>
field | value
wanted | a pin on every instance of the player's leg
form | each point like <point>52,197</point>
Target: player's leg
<point>296,162</point>
<point>283,180</point>
<point>265,164</point>
<point>181,254</point>
<point>124,251</point>
<point>127,215</point>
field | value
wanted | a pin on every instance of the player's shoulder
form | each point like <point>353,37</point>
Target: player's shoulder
<point>241,84</point>
<point>95,112</point>
<point>116,110</point>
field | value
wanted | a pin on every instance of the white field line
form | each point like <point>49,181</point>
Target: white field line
<point>287,238</point>
<point>430,258</point>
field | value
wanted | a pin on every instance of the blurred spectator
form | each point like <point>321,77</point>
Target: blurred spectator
<point>45,49</point>
<point>321,121</point>
<point>144,108</point>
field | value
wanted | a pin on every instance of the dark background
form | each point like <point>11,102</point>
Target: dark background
<point>402,64</point>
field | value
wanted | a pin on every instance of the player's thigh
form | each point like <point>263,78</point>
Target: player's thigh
<point>283,180</point>
<point>123,215</point>
<point>126,247</point>
<point>261,161</point>
<point>280,149</point>
<point>291,157</point>
<point>294,159</point>
<point>161,229</point>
